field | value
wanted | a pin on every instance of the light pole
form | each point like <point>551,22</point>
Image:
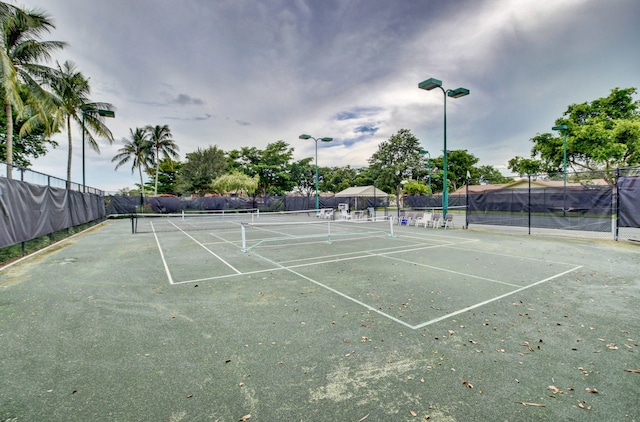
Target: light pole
<point>103,113</point>
<point>304,136</point>
<point>428,85</point>
<point>565,129</point>
<point>423,152</point>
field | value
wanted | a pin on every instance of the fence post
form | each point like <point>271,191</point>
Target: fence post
<point>617,193</point>
<point>529,204</point>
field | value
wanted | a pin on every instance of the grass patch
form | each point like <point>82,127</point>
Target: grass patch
<point>11,253</point>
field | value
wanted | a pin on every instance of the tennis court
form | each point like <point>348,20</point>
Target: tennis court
<point>289,317</point>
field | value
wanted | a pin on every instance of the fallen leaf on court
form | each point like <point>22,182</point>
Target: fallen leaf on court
<point>451,332</point>
<point>591,390</point>
<point>555,389</point>
<point>427,417</point>
<point>612,346</point>
<point>524,403</point>
<point>414,414</point>
<point>467,384</point>
<point>189,396</point>
<point>360,420</point>
<point>245,417</point>
<point>635,371</point>
<point>472,341</point>
<point>526,344</point>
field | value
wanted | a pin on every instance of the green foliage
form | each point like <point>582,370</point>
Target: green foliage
<point>396,159</point>
<point>336,179</point>
<point>162,145</point>
<point>235,183</point>
<point>303,173</point>
<point>167,176</point>
<point>415,187</point>
<point>200,169</point>
<point>601,135</point>
<point>136,149</point>
<point>70,93</point>
<point>272,165</point>
<point>525,166</point>
<point>21,54</point>
<point>26,147</point>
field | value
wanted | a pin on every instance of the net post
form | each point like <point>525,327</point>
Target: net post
<point>391,227</point>
<point>134,225</point>
<point>182,215</point>
<point>329,232</point>
<point>244,238</point>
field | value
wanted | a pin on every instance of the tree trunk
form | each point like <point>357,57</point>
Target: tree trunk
<point>69,155</point>
<point>7,111</point>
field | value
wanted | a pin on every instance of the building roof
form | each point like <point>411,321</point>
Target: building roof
<point>359,191</point>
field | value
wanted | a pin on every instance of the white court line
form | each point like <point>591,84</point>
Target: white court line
<point>477,305</point>
<point>450,271</point>
<point>373,253</point>
<point>164,261</point>
<point>339,293</point>
<point>207,249</point>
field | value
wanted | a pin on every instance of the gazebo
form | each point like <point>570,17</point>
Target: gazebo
<point>357,192</point>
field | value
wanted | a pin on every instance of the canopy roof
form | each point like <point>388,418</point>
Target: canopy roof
<point>360,191</point>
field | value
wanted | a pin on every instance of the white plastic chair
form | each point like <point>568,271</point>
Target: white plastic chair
<point>436,220</point>
<point>448,221</point>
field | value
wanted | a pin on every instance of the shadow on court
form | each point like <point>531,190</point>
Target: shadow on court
<point>455,325</point>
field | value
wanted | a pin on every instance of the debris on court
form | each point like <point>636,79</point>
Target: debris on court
<point>555,389</point>
<point>524,403</point>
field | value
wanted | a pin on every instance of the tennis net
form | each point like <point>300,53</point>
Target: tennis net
<point>291,233</point>
<point>218,220</point>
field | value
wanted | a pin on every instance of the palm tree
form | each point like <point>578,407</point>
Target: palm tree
<point>162,143</point>
<point>136,149</point>
<point>71,97</point>
<point>21,51</point>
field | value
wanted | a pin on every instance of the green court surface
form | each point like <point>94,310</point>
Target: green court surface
<point>339,322</point>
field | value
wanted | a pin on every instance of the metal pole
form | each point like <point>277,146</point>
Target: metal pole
<point>317,201</point>
<point>83,180</point>
<point>445,189</point>
<point>429,167</point>
<point>564,203</point>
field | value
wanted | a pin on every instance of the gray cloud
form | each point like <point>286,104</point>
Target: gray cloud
<point>346,69</point>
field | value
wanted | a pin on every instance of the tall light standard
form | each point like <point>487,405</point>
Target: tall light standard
<point>565,129</point>
<point>101,112</point>
<point>423,152</point>
<point>428,85</point>
<point>304,136</point>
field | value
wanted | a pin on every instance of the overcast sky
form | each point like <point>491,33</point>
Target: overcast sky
<point>236,73</point>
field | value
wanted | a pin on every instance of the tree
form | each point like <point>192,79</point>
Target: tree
<point>336,179</point>
<point>235,183</point>
<point>415,187</point>
<point>272,165</point>
<point>162,145</point>
<point>21,52</point>
<point>602,135</point>
<point>396,160</point>
<point>200,168</point>
<point>71,95</point>
<point>137,150</point>
<point>168,173</point>
<point>29,145</point>
<point>303,173</point>
<point>525,166</point>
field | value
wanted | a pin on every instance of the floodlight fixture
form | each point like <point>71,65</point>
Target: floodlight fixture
<point>325,139</point>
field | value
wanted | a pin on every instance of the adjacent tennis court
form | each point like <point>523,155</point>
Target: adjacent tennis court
<point>293,317</point>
